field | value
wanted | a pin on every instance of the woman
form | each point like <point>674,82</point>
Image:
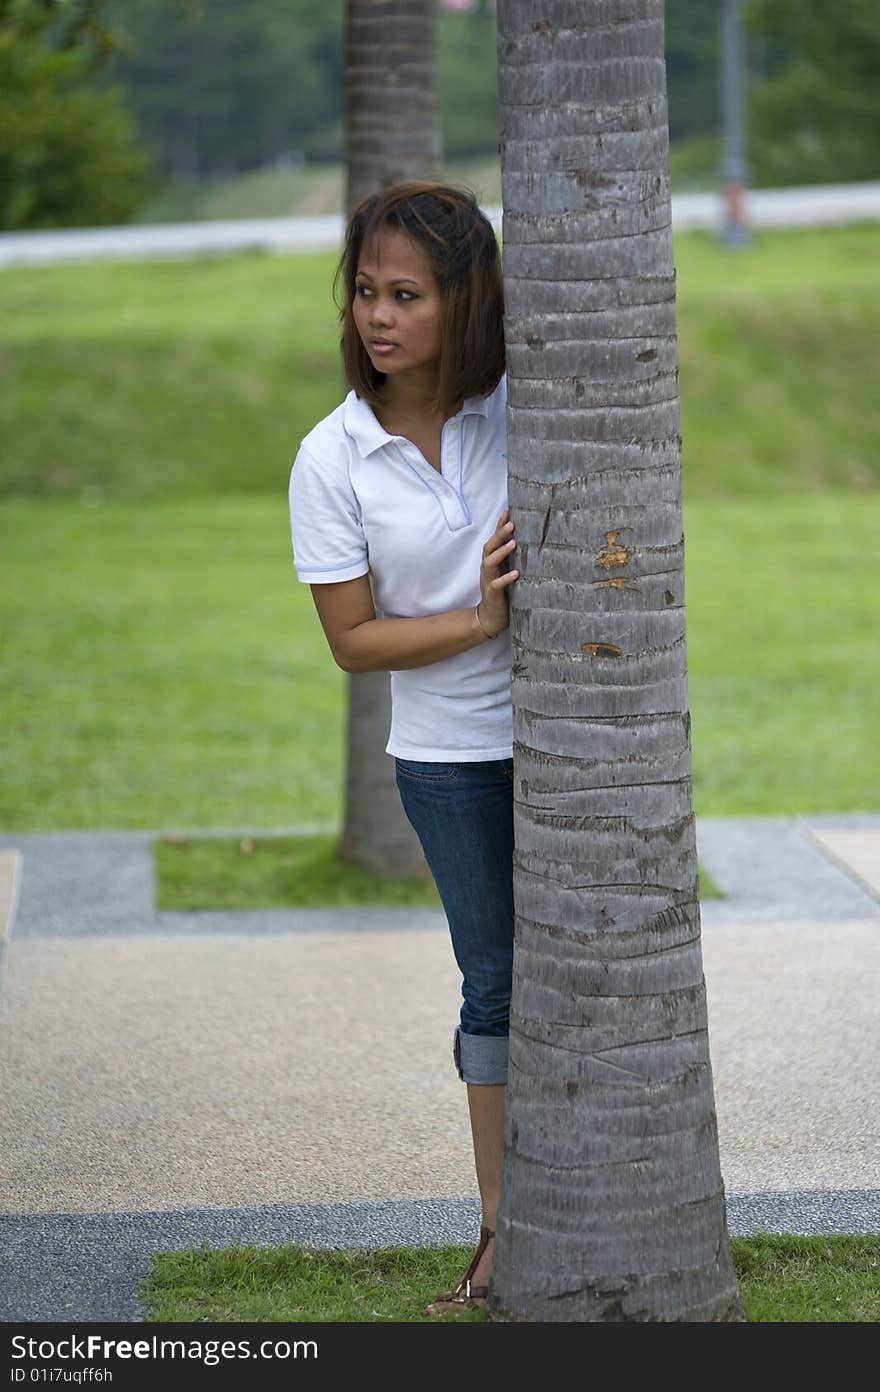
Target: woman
<point>400,525</point>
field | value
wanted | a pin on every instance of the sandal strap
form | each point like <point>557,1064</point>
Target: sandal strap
<point>477,1293</point>
<point>464,1288</point>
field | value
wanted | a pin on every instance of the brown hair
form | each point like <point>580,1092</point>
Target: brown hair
<point>462,248</point>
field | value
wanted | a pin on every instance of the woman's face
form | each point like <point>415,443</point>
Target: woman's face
<point>397,300</point>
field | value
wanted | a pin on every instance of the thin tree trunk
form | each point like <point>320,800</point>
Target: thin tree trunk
<point>612,1204</point>
<point>392,132</point>
<point>392,106</point>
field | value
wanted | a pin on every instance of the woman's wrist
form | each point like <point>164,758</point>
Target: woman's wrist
<point>484,631</point>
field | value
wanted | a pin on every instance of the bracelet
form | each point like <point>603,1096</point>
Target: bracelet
<point>477,617</point>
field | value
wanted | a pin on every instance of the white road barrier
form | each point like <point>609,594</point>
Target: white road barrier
<point>823,205</point>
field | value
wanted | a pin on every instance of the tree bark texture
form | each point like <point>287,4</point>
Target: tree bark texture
<point>392,107</point>
<point>392,133</point>
<point>612,1204</point>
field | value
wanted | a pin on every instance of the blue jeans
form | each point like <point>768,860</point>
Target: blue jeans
<point>462,814</point>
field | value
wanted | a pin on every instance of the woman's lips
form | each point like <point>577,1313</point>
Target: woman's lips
<point>379,347</point>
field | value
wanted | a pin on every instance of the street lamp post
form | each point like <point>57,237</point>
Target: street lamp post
<point>734,170</point>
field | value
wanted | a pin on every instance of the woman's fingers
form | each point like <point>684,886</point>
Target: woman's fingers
<point>497,539</point>
<point>497,549</point>
<point>503,534</point>
<point>505,549</point>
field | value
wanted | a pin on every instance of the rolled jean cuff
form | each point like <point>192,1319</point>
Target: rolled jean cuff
<point>480,1058</point>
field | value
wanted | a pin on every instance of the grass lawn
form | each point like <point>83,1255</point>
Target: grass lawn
<point>781,1279</point>
<point>307,191</point>
<point>272,873</point>
<point>162,667</point>
<point>188,378</point>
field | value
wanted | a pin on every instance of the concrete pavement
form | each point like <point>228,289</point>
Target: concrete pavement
<point>173,1078</point>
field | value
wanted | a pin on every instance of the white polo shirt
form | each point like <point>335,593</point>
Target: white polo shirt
<point>366,502</point>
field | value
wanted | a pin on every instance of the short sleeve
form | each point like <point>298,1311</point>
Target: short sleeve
<point>326,530</point>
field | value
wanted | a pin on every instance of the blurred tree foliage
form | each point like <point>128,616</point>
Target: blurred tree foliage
<point>219,87</point>
<point>68,152</point>
<point>815,117</point>
<point>693,57</point>
<point>222,86</point>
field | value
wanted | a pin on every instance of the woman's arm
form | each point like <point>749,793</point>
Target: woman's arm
<point>360,642</point>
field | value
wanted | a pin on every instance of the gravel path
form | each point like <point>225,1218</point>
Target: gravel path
<point>159,1088</point>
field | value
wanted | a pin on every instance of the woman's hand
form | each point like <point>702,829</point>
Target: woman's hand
<point>493,609</point>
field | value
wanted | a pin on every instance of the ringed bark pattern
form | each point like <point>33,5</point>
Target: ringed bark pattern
<point>612,1204</point>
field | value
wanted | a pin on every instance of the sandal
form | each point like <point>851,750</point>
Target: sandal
<point>464,1296</point>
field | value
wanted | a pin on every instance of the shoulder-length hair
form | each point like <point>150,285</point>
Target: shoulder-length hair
<point>461,245</point>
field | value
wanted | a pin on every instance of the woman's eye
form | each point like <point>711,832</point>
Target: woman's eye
<point>365,290</point>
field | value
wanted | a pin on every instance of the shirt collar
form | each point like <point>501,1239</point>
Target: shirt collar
<point>360,422</point>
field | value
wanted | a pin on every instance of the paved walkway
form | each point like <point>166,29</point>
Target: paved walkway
<point>232,1077</point>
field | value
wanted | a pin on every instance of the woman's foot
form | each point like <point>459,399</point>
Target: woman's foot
<point>472,1290</point>
<point>483,1268</point>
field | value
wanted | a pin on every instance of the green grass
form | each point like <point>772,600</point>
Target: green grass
<point>781,1280</point>
<point>779,357</point>
<point>804,1279</point>
<point>312,189</point>
<point>162,668</point>
<point>164,380</point>
<point>695,165</point>
<point>191,378</point>
<point>309,190</point>
<point>274,872</point>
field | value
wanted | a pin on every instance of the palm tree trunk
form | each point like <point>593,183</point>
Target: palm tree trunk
<point>612,1203</point>
<point>392,132</point>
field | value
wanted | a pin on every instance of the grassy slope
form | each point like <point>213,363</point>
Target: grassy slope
<point>197,377</point>
<point>164,668</point>
<point>313,189</point>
